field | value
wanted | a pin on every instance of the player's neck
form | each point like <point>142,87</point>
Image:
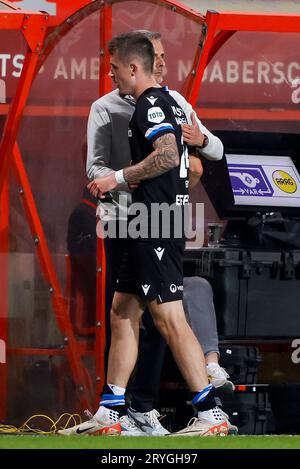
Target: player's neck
<point>143,85</point>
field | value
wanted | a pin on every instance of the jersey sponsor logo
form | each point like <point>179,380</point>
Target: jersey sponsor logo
<point>146,288</point>
<point>159,252</point>
<point>284,181</point>
<point>174,288</point>
<point>177,111</point>
<point>179,114</point>
<point>156,115</point>
<point>152,100</point>
<point>181,120</point>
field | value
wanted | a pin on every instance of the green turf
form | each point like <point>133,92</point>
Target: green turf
<point>89,442</point>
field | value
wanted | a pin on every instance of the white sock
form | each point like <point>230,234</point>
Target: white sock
<point>117,390</point>
<point>212,365</point>
<point>212,415</point>
<point>104,414</point>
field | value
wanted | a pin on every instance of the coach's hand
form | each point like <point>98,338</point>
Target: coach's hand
<point>99,186</point>
<point>192,135</point>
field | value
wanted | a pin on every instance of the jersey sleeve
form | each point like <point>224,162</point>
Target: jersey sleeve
<point>154,118</point>
<point>98,142</point>
<point>214,150</point>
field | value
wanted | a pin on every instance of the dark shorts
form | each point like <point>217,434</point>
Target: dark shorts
<point>152,270</point>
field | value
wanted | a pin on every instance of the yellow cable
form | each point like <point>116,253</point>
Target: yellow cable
<point>62,422</point>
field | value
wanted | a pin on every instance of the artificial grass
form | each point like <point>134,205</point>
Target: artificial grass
<point>96,442</point>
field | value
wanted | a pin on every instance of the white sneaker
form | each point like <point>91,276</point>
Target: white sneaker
<point>106,423</point>
<point>209,423</point>
<point>232,429</point>
<point>129,427</point>
<point>217,376</point>
<point>148,422</point>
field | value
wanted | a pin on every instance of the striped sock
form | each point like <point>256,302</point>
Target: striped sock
<point>113,397</point>
<point>205,399</point>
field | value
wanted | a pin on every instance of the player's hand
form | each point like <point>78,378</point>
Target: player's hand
<point>192,135</point>
<point>132,186</point>
<point>99,186</point>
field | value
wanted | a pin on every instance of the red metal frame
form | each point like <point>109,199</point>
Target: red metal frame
<point>219,40</point>
<point>105,84</point>
<point>34,34</point>
<point>4,219</point>
<point>54,35</point>
<point>58,301</point>
<point>217,29</point>
<point>33,27</point>
<point>72,348</point>
<point>226,24</point>
<point>15,113</point>
<point>34,222</point>
<point>100,318</point>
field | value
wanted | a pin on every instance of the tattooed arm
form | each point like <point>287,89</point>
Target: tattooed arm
<point>164,158</point>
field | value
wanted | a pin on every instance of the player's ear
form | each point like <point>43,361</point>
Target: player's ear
<point>133,69</point>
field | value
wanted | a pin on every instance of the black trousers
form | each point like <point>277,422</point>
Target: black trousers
<point>143,388</point>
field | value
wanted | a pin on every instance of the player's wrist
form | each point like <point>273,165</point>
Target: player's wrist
<point>119,176</point>
<point>205,142</point>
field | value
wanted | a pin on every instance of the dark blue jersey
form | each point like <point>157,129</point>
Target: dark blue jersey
<point>157,114</point>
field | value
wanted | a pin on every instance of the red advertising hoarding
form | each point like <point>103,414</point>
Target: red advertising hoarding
<point>257,70</point>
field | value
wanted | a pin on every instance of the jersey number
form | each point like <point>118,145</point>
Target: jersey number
<point>184,161</point>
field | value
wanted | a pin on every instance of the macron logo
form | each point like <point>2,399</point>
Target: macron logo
<point>152,100</point>
<point>146,289</point>
<point>159,252</point>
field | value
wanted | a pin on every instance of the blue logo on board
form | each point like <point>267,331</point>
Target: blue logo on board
<point>249,180</point>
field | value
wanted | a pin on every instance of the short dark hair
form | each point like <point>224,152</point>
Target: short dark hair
<point>151,35</point>
<point>133,44</point>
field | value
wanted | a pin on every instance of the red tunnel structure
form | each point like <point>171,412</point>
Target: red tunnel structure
<point>43,120</point>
